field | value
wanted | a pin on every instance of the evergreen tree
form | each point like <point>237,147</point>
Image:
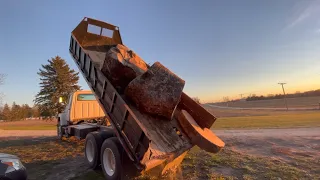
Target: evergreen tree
<point>26,111</point>
<point>56,80</point>
<point>1,115</point>
<point>15,112</point>
<point>35,111</point>
<point>6,111</point>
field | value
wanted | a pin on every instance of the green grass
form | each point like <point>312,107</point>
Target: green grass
<point>96,175</point>
<point>309,119</point>
<point>34,127</point>
<point>230,164</point>
<point>199,164</point>
<point>40,156</point>
<point>43,150</point>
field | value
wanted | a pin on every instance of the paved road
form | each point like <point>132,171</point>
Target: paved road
<point>292,132</point>
<point>26,133</point>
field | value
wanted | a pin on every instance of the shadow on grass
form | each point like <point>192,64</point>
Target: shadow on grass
<point>43,149</point>
<point>66,168</point>
<point>50,158</point>
<point>24,141</point>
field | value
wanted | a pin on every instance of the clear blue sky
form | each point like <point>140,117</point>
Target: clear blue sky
<point>220,48</point>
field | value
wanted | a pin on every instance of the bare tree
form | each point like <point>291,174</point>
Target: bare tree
<point>226,99</point>
<point>196,99</point>
<point>2,76</point>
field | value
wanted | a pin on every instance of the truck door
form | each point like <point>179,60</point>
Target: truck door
<point>65,115</point>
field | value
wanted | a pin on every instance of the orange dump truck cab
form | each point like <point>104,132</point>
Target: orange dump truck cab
<point>81,106</point>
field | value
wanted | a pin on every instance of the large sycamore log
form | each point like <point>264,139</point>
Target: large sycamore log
<point>157,91</point>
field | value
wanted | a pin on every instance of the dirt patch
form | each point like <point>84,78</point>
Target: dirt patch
<point>26,134</point>
<point>59,169</point>
<point>227,171</point>
<point>28,123</point>
<point>268,142</point>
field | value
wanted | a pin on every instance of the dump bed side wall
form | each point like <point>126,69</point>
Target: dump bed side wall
<point>90,39</point>
<point>129,133</point>
<point>145,138</point>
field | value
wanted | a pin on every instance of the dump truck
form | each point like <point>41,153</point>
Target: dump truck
<point>147,140</point>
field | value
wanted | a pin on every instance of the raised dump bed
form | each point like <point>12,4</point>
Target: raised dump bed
<point>148,140</point>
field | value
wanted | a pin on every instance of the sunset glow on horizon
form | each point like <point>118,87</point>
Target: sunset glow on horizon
<point>220,48</point>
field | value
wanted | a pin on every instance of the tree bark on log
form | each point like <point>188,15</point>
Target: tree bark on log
<point>121,66</point>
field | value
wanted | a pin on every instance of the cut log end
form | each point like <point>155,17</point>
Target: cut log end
<point>157,91</point>
<point>204,138</point>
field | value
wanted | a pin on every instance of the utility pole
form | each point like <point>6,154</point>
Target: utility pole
<point>241,95</point>
<point>284,93</point>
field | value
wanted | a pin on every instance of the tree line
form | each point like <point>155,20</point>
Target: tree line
<point>18,112</point>
<point>280,96</point>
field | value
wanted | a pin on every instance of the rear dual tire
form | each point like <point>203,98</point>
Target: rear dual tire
<point>59,132</point>
<point>111,159</point>
<point>93,145</point>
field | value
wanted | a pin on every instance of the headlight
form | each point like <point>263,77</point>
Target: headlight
<point>15,163</point>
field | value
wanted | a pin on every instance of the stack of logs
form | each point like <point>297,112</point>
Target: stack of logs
<point>154,90</point>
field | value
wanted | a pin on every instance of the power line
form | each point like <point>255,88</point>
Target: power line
<point>284,94</point>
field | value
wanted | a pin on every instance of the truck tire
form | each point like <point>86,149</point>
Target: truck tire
<point>93,145</point>
<point>92,149</point>
<point>111,160</point>
<point>59,132</point>
<point>115,140</point>
<point>106,134</point>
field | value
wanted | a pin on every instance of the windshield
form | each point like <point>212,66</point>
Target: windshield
<point>86,97</point>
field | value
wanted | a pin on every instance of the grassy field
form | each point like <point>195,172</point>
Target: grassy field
<point>29,125</point>
<point>276,103</point>
<point>281,120</point>
<point>52,158</point>
<point>49,158</point>
<point>230,164</point>
<point>227,119</point>
<point>227,165</point>
<point>235,118</point>
<point>39,150</point>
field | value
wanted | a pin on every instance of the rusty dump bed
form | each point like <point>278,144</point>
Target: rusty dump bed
<point>147,140</point>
